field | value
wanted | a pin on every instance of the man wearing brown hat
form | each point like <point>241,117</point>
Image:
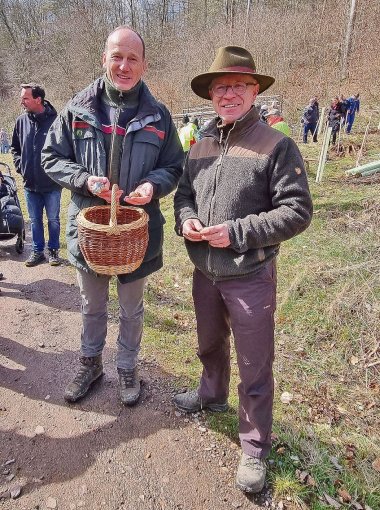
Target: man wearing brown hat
<point>244,190</point>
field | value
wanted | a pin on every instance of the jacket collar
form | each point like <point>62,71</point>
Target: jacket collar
<point>86,105</point>
<point>49,111</point>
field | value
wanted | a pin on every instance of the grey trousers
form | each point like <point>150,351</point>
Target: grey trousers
<point>95,294</point>
<point>245,305</point>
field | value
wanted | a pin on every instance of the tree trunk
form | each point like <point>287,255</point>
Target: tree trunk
<point>348,40</point>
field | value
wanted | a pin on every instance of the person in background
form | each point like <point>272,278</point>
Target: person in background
<point>353,107</point>
<point>41,192</point>
<point>343,105</point>
<point>310,119</point>
<point>187,134</point>
<point>263,111</point>
<point>244,190</point>
<point>4,143</point>
<point>195,121</point>
<point>335,117</point>
<point>114,132</point>
<point>276,121</point>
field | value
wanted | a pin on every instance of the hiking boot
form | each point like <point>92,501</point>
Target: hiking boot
<point>54,258</point>
<point>190,402</point>
<point>90,370</point>
<point>35,258</point>
<point>129,385</point>
<point>251,474</point>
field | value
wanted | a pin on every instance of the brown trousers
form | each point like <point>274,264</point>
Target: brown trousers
<point>245,305</point>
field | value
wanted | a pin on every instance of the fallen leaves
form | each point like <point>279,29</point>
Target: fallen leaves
<point>376,464</point>
<point>305,478</point>
<point>331,501</point>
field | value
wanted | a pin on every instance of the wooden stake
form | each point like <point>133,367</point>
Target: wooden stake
<point>323,154</point>
<point>360,153</point>
<point>321,117</point>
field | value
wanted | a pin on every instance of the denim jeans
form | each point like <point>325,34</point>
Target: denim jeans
<point>94,292</point>
<point>36,202</point>
<point>312,127</point>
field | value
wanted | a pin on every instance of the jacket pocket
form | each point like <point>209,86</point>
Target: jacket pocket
<point>145,151</point>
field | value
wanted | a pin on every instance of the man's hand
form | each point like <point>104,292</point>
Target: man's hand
<point>141,195</point>
<point>191,229</point>
<point>217,235</point>
<point>103,184</point>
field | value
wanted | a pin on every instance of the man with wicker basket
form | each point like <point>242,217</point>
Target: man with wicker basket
<point>114,132</point>
<point>243,191</point>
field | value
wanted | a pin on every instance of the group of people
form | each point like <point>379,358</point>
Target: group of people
<point>241,191</point>
<point>341,113</point>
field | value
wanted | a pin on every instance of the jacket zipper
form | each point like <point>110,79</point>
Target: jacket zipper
<point>217,171</point>
<point>117,114</point>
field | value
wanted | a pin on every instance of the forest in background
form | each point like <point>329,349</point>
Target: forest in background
<point>324,47</point>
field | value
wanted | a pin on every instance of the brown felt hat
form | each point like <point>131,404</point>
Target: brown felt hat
<point>229,60</point>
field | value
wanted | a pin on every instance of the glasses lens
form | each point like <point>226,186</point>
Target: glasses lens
<point>238,89</point>
<point>219,90</point>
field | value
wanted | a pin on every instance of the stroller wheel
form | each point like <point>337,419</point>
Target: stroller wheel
<point>20,244</point>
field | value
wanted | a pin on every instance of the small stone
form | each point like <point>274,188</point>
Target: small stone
<point>15,491</point>
<point>11,461</point>
<point>39,430</point>
<point>10,477</point>
<point>178,414</point>
<point>202,429</point>
<point>41,344</point>
<point>148,455</point>
<point>286,398</point>
<point>142,497</point>
<point>47,397</point>
<point>51,503</point>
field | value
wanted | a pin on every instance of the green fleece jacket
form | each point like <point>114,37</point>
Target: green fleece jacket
<point>253,179</point>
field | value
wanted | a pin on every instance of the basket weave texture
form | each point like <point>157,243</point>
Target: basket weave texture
<point>113,239</point>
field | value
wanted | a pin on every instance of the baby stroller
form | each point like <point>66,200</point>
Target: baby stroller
<point>11,218</point>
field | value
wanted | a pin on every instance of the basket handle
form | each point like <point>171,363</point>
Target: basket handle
<point>114,206</point>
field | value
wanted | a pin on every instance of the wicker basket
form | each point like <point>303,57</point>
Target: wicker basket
<point>113,239</point>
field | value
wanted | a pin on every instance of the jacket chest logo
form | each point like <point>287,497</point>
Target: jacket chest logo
<point>81,129</point>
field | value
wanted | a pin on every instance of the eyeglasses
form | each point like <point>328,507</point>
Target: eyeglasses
<point>238,89</point>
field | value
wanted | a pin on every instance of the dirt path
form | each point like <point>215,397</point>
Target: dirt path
<point>96,454</point>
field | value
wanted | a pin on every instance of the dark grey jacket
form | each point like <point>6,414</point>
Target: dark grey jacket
<point>75,149</point>
<point>255,182</point>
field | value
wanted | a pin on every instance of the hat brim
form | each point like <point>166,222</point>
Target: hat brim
<point>201,83</point>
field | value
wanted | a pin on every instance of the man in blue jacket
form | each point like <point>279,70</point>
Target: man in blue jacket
<point>114,132</point>
<point>41,192</point>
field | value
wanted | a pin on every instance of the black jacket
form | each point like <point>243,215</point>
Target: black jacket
<point>28,138</point>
